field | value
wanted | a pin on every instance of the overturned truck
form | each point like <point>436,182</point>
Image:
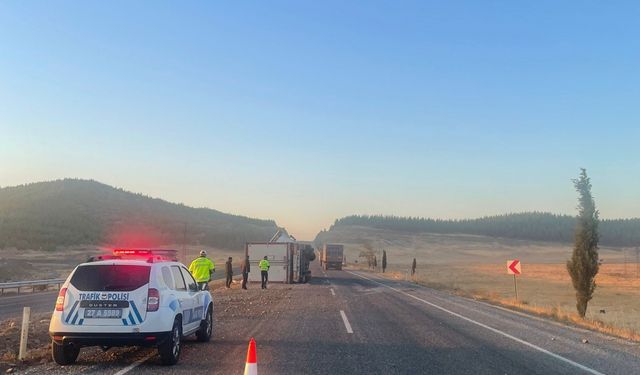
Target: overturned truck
<point>289,260</point>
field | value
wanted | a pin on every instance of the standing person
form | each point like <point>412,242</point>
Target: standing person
<point>245,268</point>
<point>413,267</point>
<point>201,269</point>
<point>228,269</point>
<point>264,271</point>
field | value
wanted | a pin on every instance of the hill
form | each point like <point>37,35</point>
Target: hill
<point>535,226</point>
<point>68,212</point>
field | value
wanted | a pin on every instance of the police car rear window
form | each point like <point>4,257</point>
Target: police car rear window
<point>110,277</point>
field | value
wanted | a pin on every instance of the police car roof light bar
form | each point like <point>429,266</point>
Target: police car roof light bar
<point>150,254</point>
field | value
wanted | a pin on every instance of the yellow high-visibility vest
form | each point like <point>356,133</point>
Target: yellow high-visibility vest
<point>264,265</point>
<point>201,269</point>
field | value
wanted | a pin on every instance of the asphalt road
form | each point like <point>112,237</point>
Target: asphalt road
<point>357,323</point>
<point>11,306</point>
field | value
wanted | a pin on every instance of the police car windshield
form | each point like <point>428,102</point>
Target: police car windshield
<point>110,277</point>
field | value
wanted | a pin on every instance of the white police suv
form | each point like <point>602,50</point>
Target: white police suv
<point>131,298</point>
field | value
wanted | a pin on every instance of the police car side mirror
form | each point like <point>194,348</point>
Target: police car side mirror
<point>193,287</point>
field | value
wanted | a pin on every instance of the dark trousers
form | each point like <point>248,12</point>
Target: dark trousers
<point>245,277</point>
<point>229,276</point>
<point>265,277</point>
<point>204,285</point>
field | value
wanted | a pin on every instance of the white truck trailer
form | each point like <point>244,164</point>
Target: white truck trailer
<point>278,255</point>
<point>289,261</point>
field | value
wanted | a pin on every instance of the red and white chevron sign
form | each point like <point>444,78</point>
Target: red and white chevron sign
<point>513,267</point>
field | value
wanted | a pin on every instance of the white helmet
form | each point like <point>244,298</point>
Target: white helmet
<point>203,253</point>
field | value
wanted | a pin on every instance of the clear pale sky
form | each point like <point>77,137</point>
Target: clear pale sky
<point>307,111</point>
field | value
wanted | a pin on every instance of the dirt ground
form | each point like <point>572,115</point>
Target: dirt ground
<point>229,306</point>
<point>10,340</point>
<point>20,265</point>
<point>37,265</point>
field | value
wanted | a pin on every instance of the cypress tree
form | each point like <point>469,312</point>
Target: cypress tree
<point>384,260</point>
<point>584,264</point>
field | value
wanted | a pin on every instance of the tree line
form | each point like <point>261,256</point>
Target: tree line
<point>538,226</point>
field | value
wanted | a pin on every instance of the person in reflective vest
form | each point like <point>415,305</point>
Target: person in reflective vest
<point>201,269</point>
<point>264,271</point>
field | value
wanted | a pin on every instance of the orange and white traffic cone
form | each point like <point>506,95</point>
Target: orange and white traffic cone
<point>251,367</point>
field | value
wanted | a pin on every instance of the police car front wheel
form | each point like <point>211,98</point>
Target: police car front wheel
<point>64,354</point>
<point>206,327</point>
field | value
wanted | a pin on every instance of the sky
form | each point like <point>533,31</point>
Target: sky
<point>307,111</point>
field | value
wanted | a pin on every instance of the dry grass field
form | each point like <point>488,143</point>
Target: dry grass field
<point>18,265</point>
<point>475,266</point>
<point>542,288</point>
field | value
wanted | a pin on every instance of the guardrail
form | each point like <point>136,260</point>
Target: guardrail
<point>31,283</point>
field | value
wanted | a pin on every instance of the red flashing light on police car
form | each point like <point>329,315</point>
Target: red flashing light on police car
<point>154,254</point>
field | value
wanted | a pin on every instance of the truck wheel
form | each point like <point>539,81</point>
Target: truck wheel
<point>170,349</point>
<point>206,327</point>
<point>64,354</point>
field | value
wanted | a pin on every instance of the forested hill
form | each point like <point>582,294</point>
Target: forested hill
<point>530,226</point>
<point>47,215</point>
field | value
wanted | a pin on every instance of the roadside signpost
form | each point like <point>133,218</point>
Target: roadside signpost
<point>514,268</point>
<point>24,333</point>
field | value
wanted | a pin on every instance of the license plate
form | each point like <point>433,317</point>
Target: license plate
<point>104,304</point>
<point>102,313</point>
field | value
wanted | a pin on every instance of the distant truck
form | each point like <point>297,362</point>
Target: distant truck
<point>332,256</point>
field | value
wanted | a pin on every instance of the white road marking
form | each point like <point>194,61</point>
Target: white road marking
<point>526,343</point>
<point>346,322</point>
<point>135,364</point>
<point>333,292</point>
<point>529,316</point>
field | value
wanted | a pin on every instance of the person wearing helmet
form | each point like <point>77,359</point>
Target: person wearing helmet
<point>201,269</point>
